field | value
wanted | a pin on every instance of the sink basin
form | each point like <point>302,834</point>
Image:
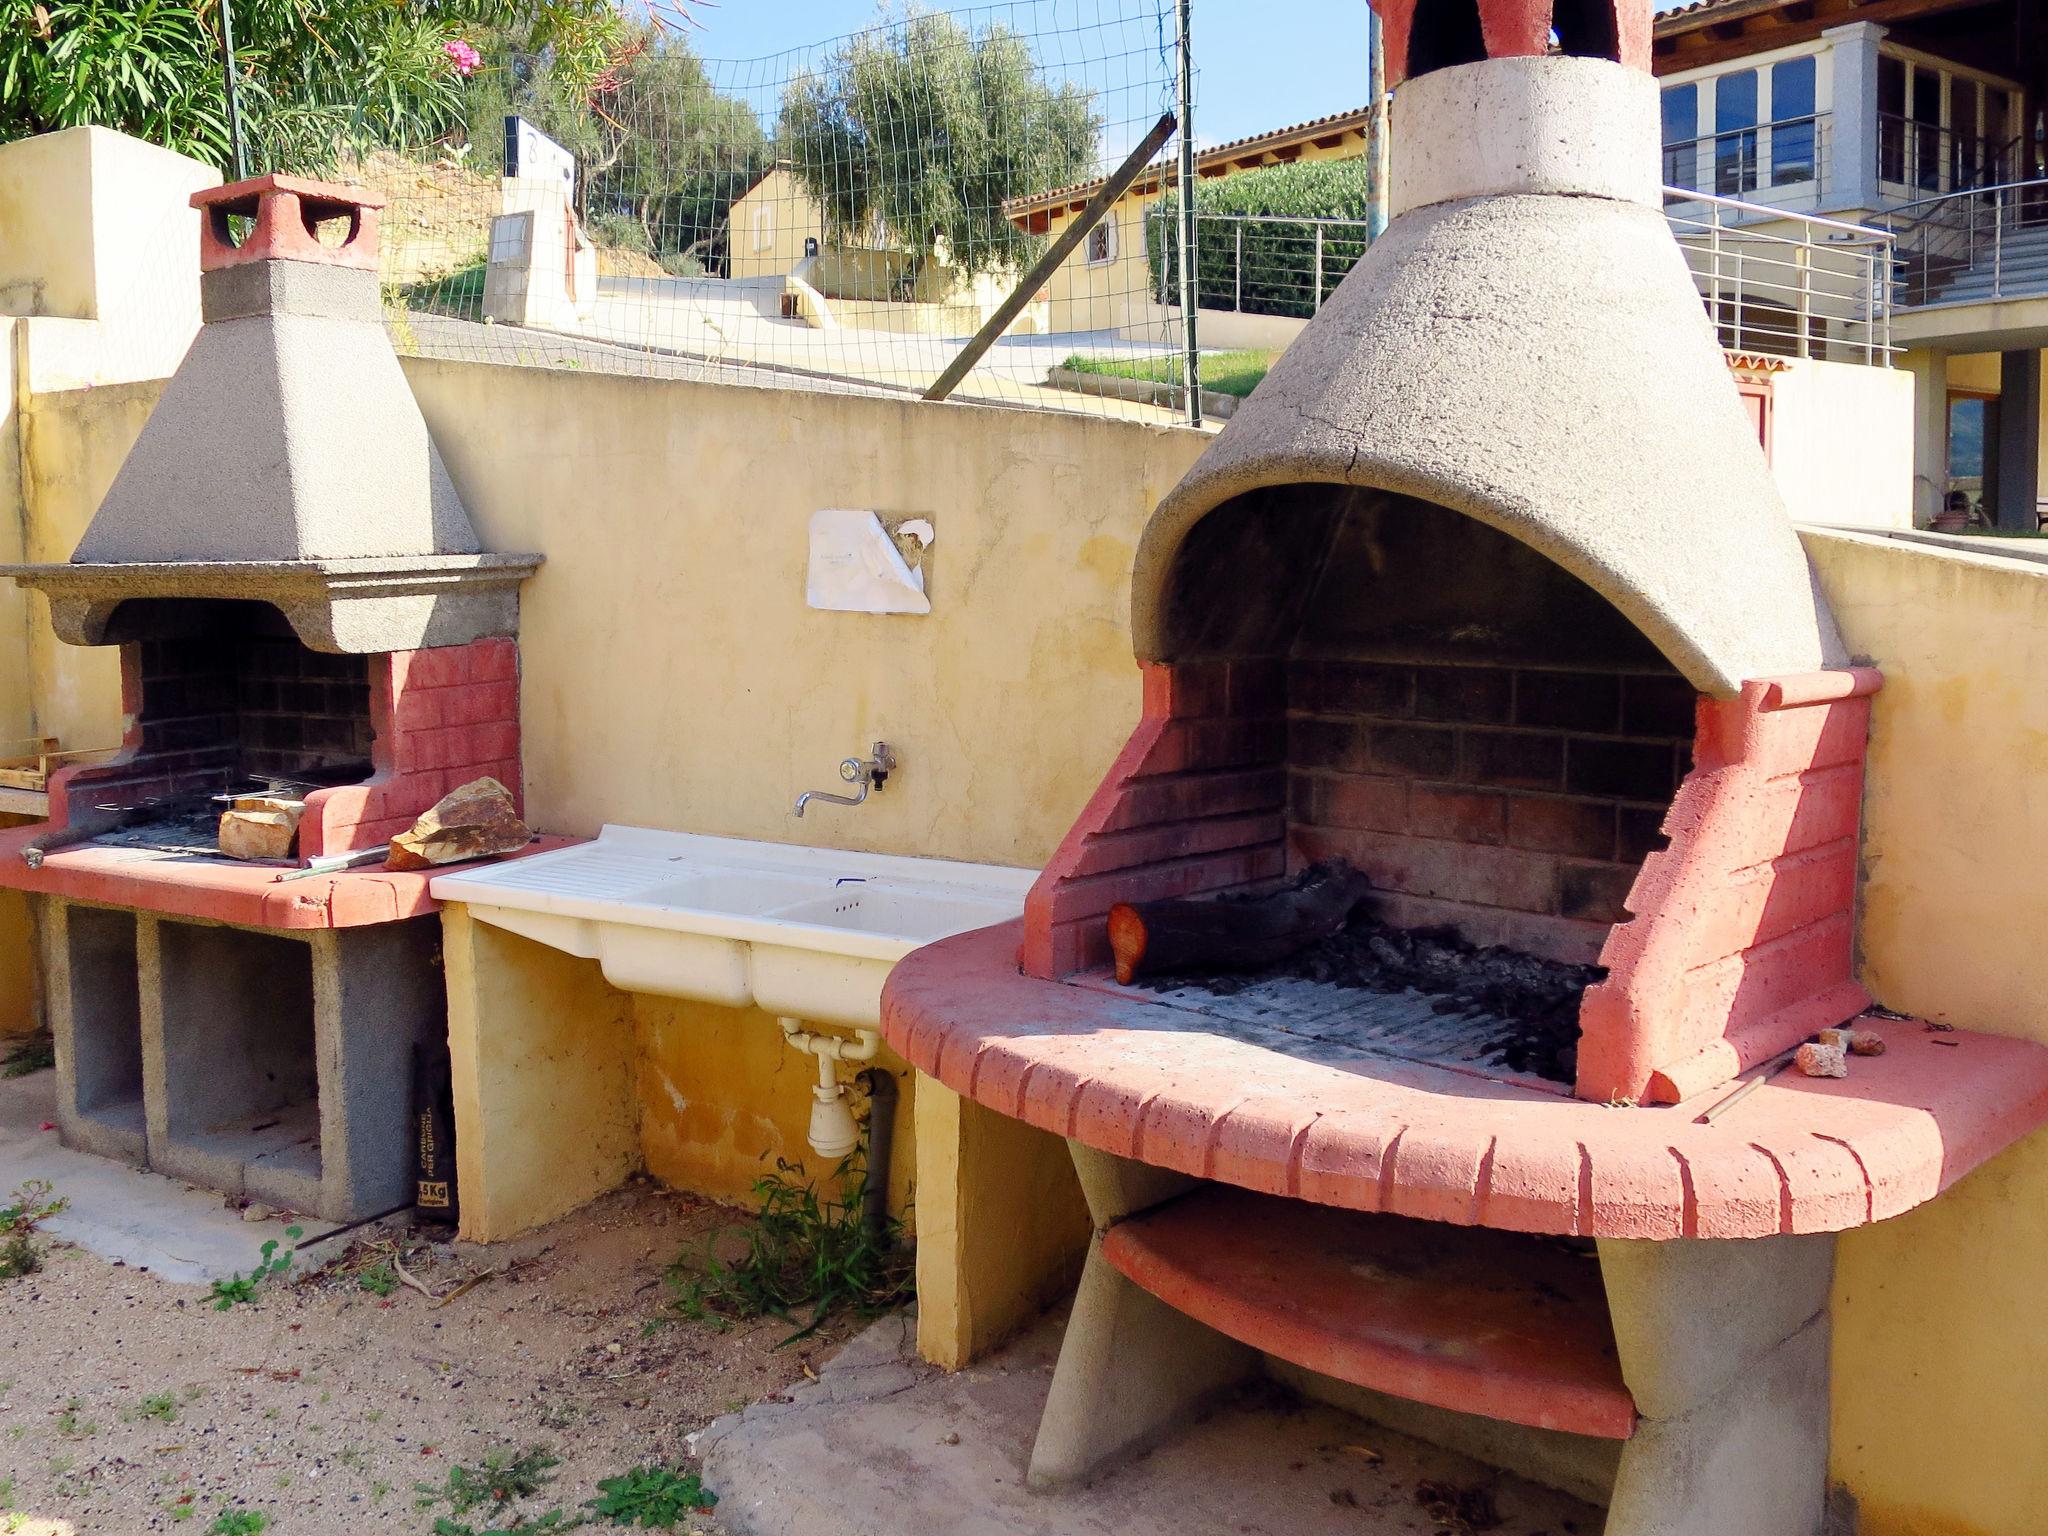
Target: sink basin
<point>810,933</point>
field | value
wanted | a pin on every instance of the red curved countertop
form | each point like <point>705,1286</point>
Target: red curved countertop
<point>223,890</point>
<point>1147,1081</point>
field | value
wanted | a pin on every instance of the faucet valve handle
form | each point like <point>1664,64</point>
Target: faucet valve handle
<point>853,770</point>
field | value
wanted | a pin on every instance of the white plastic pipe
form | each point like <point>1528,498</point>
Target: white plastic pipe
<point>833,1133</point>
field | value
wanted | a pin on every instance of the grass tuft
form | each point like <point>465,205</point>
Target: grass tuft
<point>1226,373</point>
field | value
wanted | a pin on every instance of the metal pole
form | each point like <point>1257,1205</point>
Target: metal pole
<point>227,66</point>
<point>1375,126</point>
<point>1319,268</point>
<point>1191,356</point>
<point>1237,299</point>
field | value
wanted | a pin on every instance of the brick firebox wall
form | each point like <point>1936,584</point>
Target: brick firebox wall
<point>442,717</point>
<point>1516,803</point>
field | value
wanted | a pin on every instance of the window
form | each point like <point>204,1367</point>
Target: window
<point>1793,125</point>
<point>1101,249</point>
<point>1681,136</point>
<point>764,229</point>
<point>1924,93</point>
<point>1735,138</point>
<point>1891,118</point>
<point>2001,162</point>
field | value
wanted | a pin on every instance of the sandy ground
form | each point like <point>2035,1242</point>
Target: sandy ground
<point>323,1405</point>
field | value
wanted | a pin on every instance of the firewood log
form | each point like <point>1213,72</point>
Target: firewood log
<point>1233,933</point>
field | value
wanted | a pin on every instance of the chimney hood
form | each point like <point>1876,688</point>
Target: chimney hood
<point>287,461</point>
<point>1523,345</point>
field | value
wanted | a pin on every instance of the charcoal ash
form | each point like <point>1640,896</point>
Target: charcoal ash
<point>1530,1005</point>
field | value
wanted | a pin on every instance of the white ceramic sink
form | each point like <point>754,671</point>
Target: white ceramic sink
<point>810,933</point>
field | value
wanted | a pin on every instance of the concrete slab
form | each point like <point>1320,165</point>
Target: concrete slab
<point>184,1235</point>
<point>884,1445</point>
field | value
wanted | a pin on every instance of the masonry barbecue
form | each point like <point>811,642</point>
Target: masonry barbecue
<point>1487,592</point>
<point>302,607</point>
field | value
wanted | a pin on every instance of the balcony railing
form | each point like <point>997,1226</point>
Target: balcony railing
<point>1784,283</point>
<point>1773,280</point>
<point>1770,163</point>
<point>1929,158</point>
<point>1974,246</point>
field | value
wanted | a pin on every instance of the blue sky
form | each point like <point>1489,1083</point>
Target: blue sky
<point>1261,64</point>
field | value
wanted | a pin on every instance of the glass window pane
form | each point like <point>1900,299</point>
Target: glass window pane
<point>1969,424</point>
<point>1891,110</point>
<point>1681,131</point>
<point>1926,155</point>
<point>1965,138</point>
<point>1999,161</point>
<point>1792,122</point>
<point>1735,139</point>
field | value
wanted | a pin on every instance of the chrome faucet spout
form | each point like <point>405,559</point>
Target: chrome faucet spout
<point>869,773</point>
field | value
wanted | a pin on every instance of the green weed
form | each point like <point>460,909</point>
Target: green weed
<point>27,1208</point>
<point>650,1497</point>
<point>554,1520</point>
<point>501,1478</point>
<point>806,1251</point>
<point>239,1522</point>
<point>272,1262</point>
<point>71,1426</point>
<point>161,1406</point>
<point>31,1053</point>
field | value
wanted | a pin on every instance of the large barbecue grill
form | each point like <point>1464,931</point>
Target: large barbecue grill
<point>304,614</point>
<point>1487,593</point>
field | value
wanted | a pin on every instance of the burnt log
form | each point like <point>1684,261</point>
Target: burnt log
<point>1194,935</point>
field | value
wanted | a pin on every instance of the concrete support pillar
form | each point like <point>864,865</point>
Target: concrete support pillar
<point>1850,180</point>
<point>1001,1226</point>
<point>2019,440</point>
<point>1929,368</point>
<point>542,1056</point>
<point>1724,1346</point>
<point>1130,1367</point>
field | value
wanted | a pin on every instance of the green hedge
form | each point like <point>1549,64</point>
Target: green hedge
<point>1279,256</point>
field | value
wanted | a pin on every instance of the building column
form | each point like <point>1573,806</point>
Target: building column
<point>1930,432</point>
<point>2019,439</point>
<point>1851,183</point>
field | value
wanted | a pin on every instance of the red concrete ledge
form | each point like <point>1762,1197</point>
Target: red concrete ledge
<point>221,891</point>
<point>1508,1327</point>
<point>1145,1081</point>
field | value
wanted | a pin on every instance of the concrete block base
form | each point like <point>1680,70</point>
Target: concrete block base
<point>1723,1346</point>
<point>267,1063</point>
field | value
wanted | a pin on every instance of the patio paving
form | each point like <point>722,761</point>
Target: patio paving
<point>884,1445</point>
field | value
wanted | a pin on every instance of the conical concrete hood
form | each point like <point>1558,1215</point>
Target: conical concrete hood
<point>1525,345</point>
<point>287,460</point>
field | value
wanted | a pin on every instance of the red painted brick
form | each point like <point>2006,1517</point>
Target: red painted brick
<point>1419,751</point>
<point>441,667</point>
<point>1093,896</point>
<point>1342,745</point>
<point>1417,866</point>
<point>1379,689</point>
<point>495,660</point>
<point>1150,801</point>
<point>1179,840</point>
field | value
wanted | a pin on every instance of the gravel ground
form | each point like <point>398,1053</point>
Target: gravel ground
<point>129,1405</point>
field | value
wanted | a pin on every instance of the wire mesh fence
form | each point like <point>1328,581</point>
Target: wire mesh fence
<point>842,216</point>
<point>1258,264</point>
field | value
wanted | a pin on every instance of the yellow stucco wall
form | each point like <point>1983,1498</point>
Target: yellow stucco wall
<point>1940,1409</point>
<point>769,225</point>
<point>673,676</point>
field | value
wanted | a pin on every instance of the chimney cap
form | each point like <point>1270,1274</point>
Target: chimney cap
<point>1426,35</point>
<point>287,211</point>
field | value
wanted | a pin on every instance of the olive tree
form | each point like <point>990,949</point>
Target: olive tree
<point>921,129</point>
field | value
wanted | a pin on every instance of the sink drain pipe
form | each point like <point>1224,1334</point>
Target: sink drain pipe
<point>833,1133</point>
<point>881,1084</point>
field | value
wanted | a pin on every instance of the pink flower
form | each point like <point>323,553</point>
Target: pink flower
<point>464,57</point>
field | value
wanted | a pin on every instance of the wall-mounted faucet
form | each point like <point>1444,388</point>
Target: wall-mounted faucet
<point>869,773</point>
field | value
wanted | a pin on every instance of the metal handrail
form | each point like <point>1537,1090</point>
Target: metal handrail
<point>1830,280</point>
<point>1944,238</point>
<point>1820,125</point>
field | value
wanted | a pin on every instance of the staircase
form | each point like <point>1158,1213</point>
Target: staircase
<point>2019,269</point>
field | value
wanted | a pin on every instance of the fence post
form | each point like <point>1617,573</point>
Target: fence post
<point>228,74</point>
<point>1237,297</point>
<point>1805,260</point>
<point>1190,295</point>
<point>1319,267</point>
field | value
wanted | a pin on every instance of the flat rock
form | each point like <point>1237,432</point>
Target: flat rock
<point>473,822</point>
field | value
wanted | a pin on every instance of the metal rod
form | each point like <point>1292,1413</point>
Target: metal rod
<point>1049,263</point>
<point>1375,125</point>
<point>227,65</point>
<point>1190,293</point>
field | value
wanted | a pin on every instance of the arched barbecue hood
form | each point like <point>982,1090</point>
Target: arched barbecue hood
<point>1524,345</point>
